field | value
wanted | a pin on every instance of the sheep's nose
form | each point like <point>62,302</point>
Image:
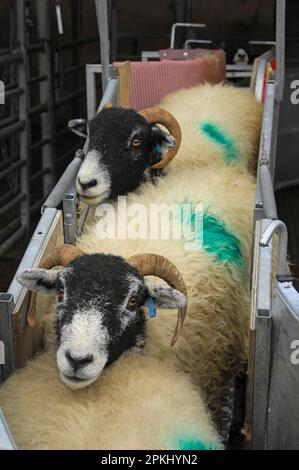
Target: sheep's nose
<point>88,185</point>
<point>77,362</point>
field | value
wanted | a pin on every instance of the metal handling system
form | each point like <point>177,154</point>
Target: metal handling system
<point>273,379</point>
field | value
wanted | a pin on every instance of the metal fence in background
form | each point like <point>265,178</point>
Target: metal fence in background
<point>44,78</point>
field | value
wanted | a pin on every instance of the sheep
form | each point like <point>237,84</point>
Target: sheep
<point>220,126</point>
<point>213,343</point>
<point>135,399</point>
<point>212,167</point>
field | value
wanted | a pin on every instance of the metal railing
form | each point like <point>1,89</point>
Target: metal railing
<point>28,134</point>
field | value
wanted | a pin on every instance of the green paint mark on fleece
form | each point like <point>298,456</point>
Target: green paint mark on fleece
<point>220,138</point>
<point>214,237</point>
<point>193,444</point>
<point>218,241</point>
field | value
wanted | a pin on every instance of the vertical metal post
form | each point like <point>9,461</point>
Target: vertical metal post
<point>262,325</point>
<point>70,215</point>
<point>43,12</point>
<point>114,32</point>
<point>280,48</point>
<point>24,142</point>
<point>91,94</point>
<point>7,356</point>
<point>102,19</point>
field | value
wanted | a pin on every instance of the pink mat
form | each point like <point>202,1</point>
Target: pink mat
<point>151,81</point>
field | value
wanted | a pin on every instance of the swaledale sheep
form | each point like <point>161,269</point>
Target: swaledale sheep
<point>220,127</point>
<point>220,136</point>
<point>141,401</point>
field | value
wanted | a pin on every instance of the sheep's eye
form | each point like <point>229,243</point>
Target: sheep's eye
<point>132,303</point>
<point>136,142</point>
<point>60,294</point>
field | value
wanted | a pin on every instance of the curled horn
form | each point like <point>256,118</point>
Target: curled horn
<point>160,116</point>
<point>150,264</point>
<point>60,256</point>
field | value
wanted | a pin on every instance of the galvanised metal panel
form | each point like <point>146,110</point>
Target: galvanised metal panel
<point>283,415</point>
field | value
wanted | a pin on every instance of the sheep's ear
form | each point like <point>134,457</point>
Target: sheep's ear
<point>161,141</point>
<point>165,296</point>
<point>43,280</point>
<point>79,127</point>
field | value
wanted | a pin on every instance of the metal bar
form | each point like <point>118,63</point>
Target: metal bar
<point>182,25</point>
<point>8,161</point>
<point>6,439</point>
<point>59,17</point>
<point>263,43</point>
<point>8,229</point>
<point>69,97</point>
<point>111,92</point>
<point>77,42</point>
<point>70,215</point>
<point>266,151</point>
<point>36,207</point>
<point>7,121</point>
<point>39,47</point>
<point>262,325</point>
<point>37,78</point>
<point>6,197</point>
<point>74,68</point>
<point>238,67</point>
<point>56,196</point>
<point>39,144</point>
<point>39,174</point>
<point>14,202</point>
<point>102,20</point>
<point>14,92</point>
<point>24,141</point>
<point>277,226</point>
<point>91,94</point>
<point>267,193</point>
<point>38,109</point>
<point>13,128</point>
<point>43,11</point>
<point>33,250</point>
<point>238,74</point>
<point>12,240</point>
<point>6,335</point>
<point>196,41</point>
<point>283,431</point>
<point>280,48</point>
<point>12,58</point>
<point>259,82</point>
<point>15,166</point>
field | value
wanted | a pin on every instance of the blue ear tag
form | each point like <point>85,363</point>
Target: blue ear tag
<point>151,308</point>
<point>158,148</point>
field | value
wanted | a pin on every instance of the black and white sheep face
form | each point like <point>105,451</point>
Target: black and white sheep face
<point>122,147</point>
<point>100,312</point>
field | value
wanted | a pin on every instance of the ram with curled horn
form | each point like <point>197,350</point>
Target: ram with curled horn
<point>45,279</point>
<point>125,148</point>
